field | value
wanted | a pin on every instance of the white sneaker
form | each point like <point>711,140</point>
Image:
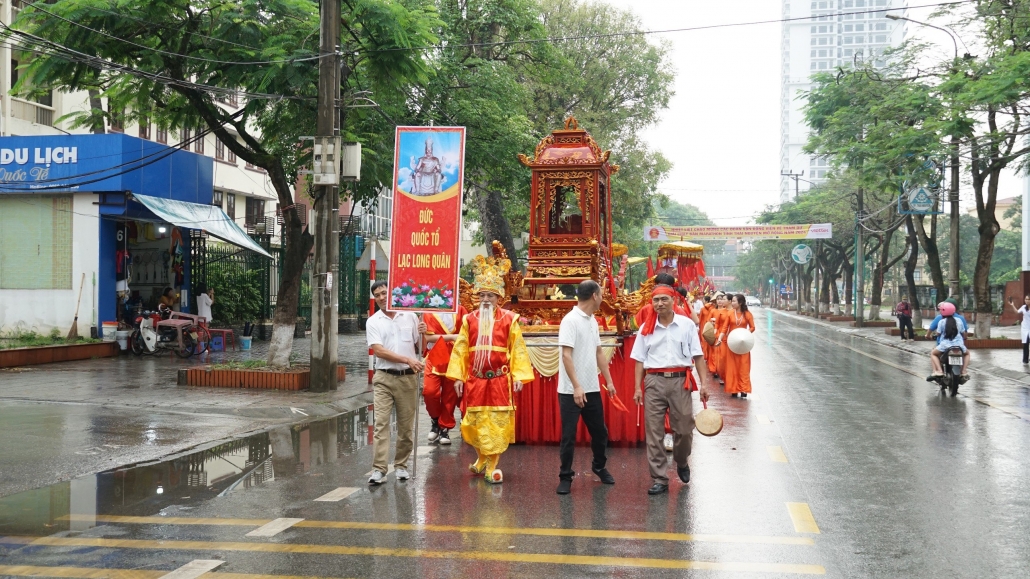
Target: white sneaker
<point>445,437</point>
<point>434,432</point>
<point>377,478</point>
<point>668,442</point>
<point>402,474</point>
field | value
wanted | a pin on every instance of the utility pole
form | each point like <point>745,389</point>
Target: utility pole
<point>325,304</point>
<point>795,176</point>
<point>953,194</point>
<point>859,263</point>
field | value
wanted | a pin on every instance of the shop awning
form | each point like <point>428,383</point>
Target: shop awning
<point>198,216</point>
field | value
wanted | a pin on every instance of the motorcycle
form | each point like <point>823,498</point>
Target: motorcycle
<point>951,361</point>
<point>148,337</point>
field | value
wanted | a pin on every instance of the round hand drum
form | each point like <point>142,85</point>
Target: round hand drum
<point>708,422</point>
<point>740,341</point>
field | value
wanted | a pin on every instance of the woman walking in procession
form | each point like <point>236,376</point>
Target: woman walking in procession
<point>717,360</point>
<point>736,368</point>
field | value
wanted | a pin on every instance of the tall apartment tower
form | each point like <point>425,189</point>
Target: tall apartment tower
<point>822,36</point>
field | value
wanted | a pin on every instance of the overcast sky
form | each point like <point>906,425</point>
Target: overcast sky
<point>721,130</point>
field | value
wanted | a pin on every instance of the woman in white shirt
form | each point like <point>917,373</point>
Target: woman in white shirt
<point>205,299</point>
<point>1024,326</point>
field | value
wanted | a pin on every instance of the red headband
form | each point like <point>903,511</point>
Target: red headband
<point>652,319</point>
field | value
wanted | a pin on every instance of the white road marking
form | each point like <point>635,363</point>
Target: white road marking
<point>273,528</point>
<point>337,494</point>
<point>193,569</point>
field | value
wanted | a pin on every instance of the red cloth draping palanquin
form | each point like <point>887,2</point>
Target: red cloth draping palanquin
<point>538,420</point>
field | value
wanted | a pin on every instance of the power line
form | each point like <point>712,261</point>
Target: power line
<point>665,31</point>
<point>176,54</point>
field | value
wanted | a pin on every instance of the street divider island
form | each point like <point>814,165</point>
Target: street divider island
<point>428,180</point>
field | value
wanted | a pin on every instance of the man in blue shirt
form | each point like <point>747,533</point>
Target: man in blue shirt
<point>937,320</point>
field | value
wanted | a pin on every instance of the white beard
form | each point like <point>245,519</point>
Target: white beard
<point>485,339</point>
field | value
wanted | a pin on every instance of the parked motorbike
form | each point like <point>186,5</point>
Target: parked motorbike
<point>951,361</point>
<point>148,337</point>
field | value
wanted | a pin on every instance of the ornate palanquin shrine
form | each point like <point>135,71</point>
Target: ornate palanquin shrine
<point>570,228</point>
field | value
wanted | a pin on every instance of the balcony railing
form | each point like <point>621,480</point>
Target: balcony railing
<point>32,112</point>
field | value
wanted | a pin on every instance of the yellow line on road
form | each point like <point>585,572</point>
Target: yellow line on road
<point>804,522</point>
<point>537,531</point>
<point>506,557</point>
<point>776,454</point>
<point>96,573</point>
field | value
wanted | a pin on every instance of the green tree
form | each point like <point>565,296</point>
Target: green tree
<point>168,62</point>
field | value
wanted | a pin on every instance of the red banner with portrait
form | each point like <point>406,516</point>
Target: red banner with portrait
<point>428,175</point>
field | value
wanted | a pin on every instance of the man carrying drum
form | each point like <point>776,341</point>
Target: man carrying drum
<point>666,350</point>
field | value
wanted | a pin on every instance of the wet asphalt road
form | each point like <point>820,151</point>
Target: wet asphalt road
<point>844,462</point>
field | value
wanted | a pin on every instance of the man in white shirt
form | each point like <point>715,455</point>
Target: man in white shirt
<point>579,392</point>
<point>666,350</point>
<point>394,339</point>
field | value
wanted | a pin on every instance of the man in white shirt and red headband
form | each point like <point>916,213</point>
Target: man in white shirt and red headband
<point>666,350</point>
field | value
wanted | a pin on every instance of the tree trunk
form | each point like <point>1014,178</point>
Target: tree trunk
<point>988,230</point>
<point>96,119</point>
<point>910,272</point>
<point>880,272</point>
<point>848,270</point>
<point>495,225</point>
<point>933,254</point>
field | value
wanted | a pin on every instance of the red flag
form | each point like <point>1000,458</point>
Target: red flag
<point>617,404</point>
<point>650,268</point>
<point>439,356</point>
<point>700,268</point>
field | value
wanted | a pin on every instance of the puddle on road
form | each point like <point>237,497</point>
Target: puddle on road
<point>145,489</point>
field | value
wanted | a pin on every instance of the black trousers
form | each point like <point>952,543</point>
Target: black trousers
<point>1026,351</point>
<point>906,322</point>
<point>593,416</point>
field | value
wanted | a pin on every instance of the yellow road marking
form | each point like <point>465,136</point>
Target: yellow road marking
<point>763,419</point>
<point>776,454</point>
<point>507,557</point>
<point>95,573</point>
<point>537,531</point>
<point>804,522</point>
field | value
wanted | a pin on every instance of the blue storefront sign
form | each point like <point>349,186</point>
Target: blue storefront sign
<point>96,163</point>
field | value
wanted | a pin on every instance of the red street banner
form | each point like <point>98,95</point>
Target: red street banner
<point>428,173</point>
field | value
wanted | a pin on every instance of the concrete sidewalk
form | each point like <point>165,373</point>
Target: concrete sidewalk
<point>999,364</point>
<point>150,382</point>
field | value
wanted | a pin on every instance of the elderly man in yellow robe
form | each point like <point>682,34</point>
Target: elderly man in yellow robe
<point>489,363</point>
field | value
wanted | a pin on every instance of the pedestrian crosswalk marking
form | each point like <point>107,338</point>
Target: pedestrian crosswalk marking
<point>763,419</point>
<point>776,454</point>
<point>337,494</point>
<point>804,522</point>
<point>193,569</point>
<point>534,531</point>
<point>506,556</point>
<point>274,527</point>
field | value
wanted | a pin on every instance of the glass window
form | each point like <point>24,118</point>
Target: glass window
<point>230,205</point>
<point>184,139</point>
<point>566,215</point>
<point>255,210</point>
<point>219,149</point>
<point>162,135</point>
<point>216,198</point>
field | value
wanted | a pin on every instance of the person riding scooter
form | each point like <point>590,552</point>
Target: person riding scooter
<point>951,329</point>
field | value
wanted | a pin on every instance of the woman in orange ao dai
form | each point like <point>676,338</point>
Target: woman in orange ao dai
<point>736,368</point>
<point>717,351</point>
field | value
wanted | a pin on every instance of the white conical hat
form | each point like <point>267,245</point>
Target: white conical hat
<point>740,341</point>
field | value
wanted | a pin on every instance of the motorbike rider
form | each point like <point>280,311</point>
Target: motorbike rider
<point>951,329</point>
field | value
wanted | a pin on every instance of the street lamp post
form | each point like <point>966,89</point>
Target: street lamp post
<point>953,260</point>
